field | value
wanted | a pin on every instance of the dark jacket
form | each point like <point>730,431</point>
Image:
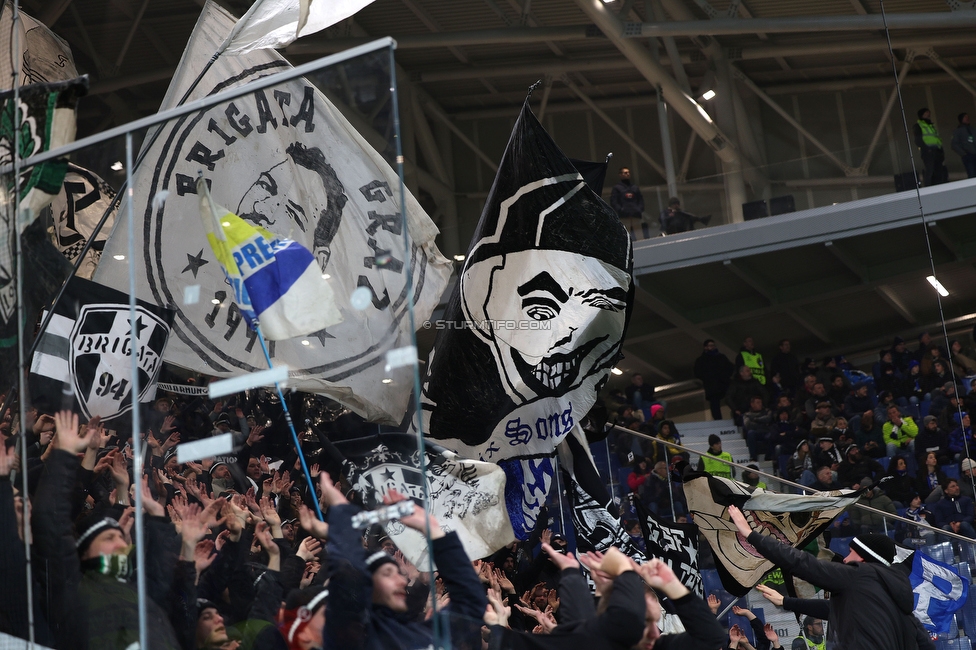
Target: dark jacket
<point>949,509</point>
<point>922,485</point>
<point>820,608</point>
<point>621,625</point>
<point>740,392</point>
<point>382,628</point>
<point>788,367</point>
<point>714,370</point>
<point>931,441</point>
<point>626,199</point>
<point>870,607</point>
<point>850,471</point>
<point>91,610</point>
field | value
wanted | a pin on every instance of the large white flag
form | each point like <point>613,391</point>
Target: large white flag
<point>285,159</point>
<point>76,210</point>
<point>278,23</point>
<point>43,56</point>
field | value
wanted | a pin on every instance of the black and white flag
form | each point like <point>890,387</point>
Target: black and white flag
<point>676,544</point>
<point>76,210</point>
<point>87,349</point>
<point>596,517</point>
<point>465,496</point>
<point>537,320</point>
<point>285,159</point>
<point>44,56</point>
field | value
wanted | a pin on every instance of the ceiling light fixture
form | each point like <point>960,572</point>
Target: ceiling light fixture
<point>938,286</point>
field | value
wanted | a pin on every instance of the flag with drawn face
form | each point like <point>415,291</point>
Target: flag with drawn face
<point>284,159</point>
<point>792,519</point>
<point>535,323</point>
<point>44,57</point>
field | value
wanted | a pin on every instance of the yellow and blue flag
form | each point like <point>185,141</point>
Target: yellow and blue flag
<point>277,282</point>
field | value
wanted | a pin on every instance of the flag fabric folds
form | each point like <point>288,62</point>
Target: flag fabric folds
<point>277,23</point>
<point>47,271</point>
<point>939,592</point>
<point>465,496</point>
<point>44,119</point>
<point>596,518</point>
<point>44,56</point>
<point>83,361</point>
<point>676,544</point>
<point>276,282</point>
<point>76,210</point>
<point>740,566</point>
<point>286,160</point>
<point>537,320</point>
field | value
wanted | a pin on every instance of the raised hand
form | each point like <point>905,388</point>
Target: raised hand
<point>740,521</point>
<point>168,424</point>
<point>771,634</point>
<point>771,595</point>
<point>68,438</point>
<point>255,435</point>
<point>546,536</point>
<point>263,537</point>
<point>406,566</point>
<point>281,483</point>
<point>503,582</point>
<point>497,612</point>
<point>252,505</point>
<point>309,549</point>
<point>331,496</point>
<point>311,570</point>
<point>149,504</point>
<point>8,460</point>
<point>311,523</point>
<point>742,611</point>
<point>203,555</point>
<point>553,600</point>
<point>714,603</point>
<point>658,574</point>
<point>735,634</point>
<point>562,561</point>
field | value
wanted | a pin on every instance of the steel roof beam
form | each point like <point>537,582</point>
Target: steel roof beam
<point>735,26</point>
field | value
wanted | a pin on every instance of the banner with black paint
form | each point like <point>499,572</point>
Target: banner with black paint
<point>537,320</point>
<point>465,496</point>
<point>286,159</point>
<point>87,351</point>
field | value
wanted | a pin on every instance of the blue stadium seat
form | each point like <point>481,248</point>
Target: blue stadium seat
<point>951,471</point>
<point>884,461</point>
<point>941,552</point>
<point>841,545</point>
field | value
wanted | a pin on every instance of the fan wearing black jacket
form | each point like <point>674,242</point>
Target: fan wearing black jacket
<point>871,603</point>
<point>372,612</point>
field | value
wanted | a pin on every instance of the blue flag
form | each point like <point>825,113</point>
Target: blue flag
<point>939,592</point>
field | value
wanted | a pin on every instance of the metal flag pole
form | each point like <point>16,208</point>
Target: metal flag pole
<point>19,315</point>
<point>291,425</point>
<point>137,460</point>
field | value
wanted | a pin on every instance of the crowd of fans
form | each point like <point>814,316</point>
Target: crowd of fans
<point>235,556</point>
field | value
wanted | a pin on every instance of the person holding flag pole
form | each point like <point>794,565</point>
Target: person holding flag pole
<point>275,281</point>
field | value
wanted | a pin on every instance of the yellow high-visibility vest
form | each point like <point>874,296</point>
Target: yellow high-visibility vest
<point>714,467</point>
<point>930,135</point>
<point>754,361</point>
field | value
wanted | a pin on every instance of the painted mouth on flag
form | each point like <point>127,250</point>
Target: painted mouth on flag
<point>557,373</point>
<point>761,526</point>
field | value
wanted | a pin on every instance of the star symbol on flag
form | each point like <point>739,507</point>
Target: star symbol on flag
<point>388,475</point>
<point>195,262</point>
<point>139,325</point>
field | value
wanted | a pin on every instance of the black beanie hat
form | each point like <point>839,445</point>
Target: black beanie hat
<point>713,440</point>
<point>378,559</point>
<point>91,527</point>
<point>879,549</point>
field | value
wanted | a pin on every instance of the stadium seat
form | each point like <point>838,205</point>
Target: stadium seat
<point>884,461</point>
<point>941,552</point>
<point>841,545</point>
<point>951,471</point>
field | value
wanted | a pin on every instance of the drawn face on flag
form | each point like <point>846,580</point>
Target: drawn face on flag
<point>302,191</point>
<point>566,309</point>
<point>708,501</point>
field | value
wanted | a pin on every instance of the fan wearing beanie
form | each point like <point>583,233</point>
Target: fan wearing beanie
<point>373,589</point>
<point>871,601</point>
